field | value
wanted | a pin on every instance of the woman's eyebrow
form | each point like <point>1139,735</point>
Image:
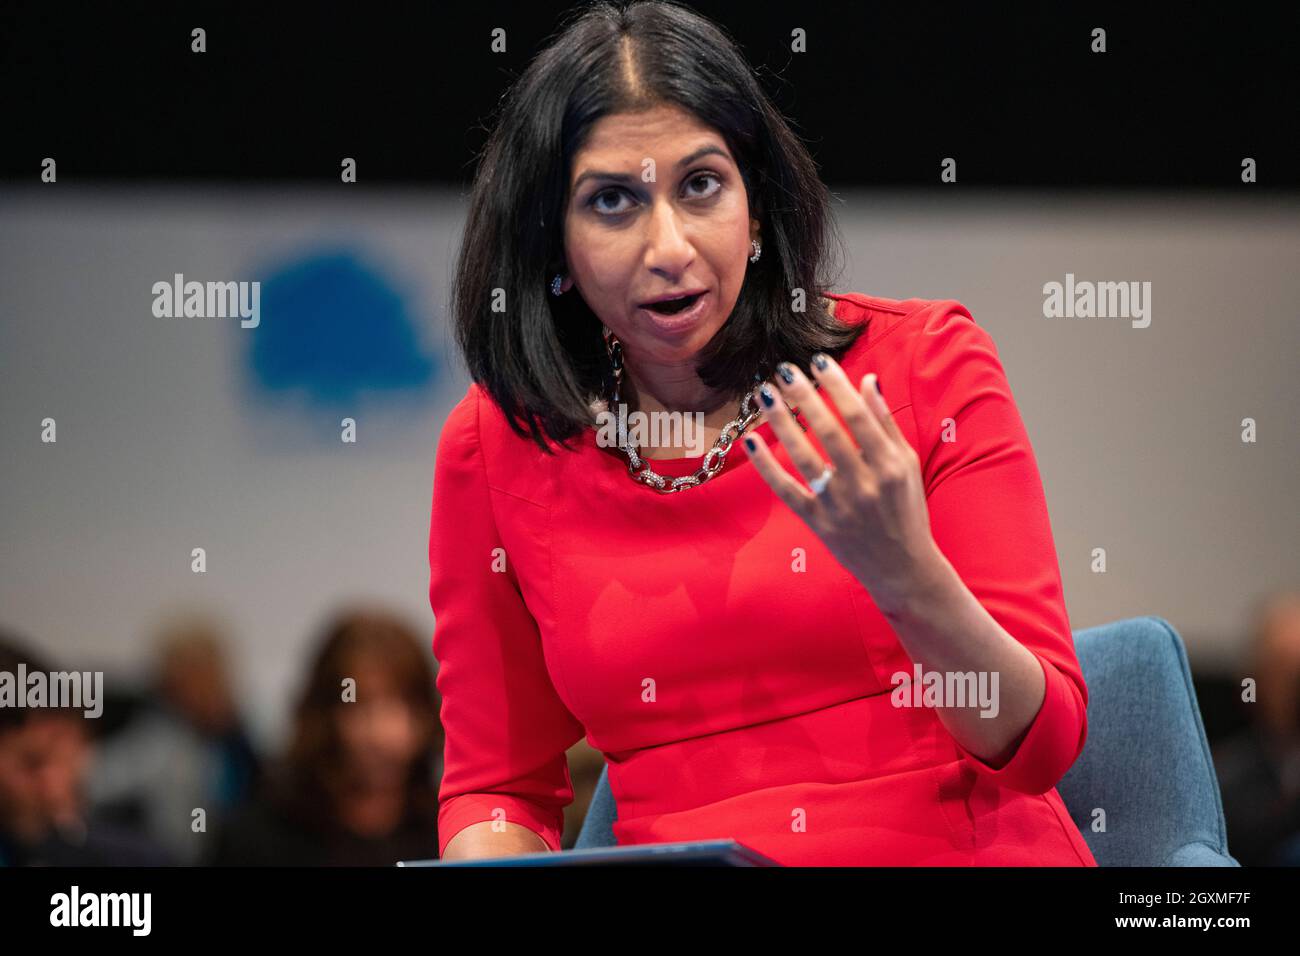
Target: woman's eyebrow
<point>626,177</point>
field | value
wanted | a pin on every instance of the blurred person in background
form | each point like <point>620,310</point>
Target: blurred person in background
<point>45,819</point>
<point>1259,768</point>
<point>358,785</point>
<point>188,750</point>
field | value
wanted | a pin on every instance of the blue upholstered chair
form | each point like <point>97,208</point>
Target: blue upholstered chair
<point>1146,761</point>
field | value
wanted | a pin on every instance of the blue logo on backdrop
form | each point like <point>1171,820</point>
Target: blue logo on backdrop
<point>334,330</point>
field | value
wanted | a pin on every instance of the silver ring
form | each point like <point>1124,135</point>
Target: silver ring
<point>818,484</point>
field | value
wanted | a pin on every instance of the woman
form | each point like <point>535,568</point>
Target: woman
<point>358,783</point>
<point>742,648</point>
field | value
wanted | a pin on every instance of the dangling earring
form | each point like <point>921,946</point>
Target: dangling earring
<point>614,349</point>
<point>758,250</point>
<point>556,284</point>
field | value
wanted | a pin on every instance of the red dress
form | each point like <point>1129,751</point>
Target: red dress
<point>732,695</point>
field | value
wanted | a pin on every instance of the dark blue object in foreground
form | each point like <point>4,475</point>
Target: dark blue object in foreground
<point>697,853</point>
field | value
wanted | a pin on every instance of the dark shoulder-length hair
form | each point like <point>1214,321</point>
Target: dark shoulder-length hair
<point>542,358</point>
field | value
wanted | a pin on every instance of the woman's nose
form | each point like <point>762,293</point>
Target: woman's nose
<point>668,248</point>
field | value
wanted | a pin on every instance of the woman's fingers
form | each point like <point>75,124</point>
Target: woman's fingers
<point>838,444</point>
<point>862,438</point>
<point>858,409</point>
<point>807,459</point>
<point>795,495</point>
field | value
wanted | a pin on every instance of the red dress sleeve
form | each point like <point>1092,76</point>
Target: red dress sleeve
<point>988,514</point>
<point>506,730</point>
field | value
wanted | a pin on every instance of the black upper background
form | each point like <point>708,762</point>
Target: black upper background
<point>112,91</point>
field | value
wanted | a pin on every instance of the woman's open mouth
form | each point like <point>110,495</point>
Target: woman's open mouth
<point>676,314</point>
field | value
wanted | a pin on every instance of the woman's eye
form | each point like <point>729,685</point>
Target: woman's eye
<point>599,204</point>
<point>705,177</point>
<point>595,201</point>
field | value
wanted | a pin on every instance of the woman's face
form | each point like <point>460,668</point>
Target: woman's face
<point>381,735</point>
<point>628,240</point>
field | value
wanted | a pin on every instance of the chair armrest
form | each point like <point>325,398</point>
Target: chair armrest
<point>1199,854</point>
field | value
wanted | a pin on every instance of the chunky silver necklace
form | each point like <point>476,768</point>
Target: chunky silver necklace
<point>714,459</point>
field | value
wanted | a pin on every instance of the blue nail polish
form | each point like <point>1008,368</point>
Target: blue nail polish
<point>878,391</point>
<point>786,371</point>
<point>750,443</point>
<point>765,393</point>
<point>819,362</point>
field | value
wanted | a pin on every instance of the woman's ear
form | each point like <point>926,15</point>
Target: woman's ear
<point>566,280</point>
